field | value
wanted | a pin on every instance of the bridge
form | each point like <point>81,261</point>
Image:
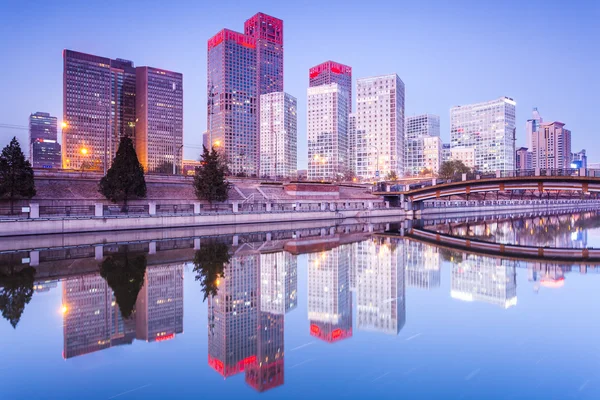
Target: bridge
<point>581,180</point>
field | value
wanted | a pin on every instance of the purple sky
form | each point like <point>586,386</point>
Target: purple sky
<point>543,54</point>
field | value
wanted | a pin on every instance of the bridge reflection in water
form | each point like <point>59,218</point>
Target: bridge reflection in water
<point>115,294</point>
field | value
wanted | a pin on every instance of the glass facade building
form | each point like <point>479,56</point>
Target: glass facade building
<point>44,150</point>
<point>380,126</point>
<point>327,126</point>
<point>332,72</point>
<point>241,67</point>
<point>159,114</point>
<point>278,135</point>
<point>489,128</point>
<point>418,128</point>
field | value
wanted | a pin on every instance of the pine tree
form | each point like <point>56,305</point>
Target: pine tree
<point>16,291</point>
<point>209,266</point>
<point>16,174</point>
<point>125,178</point>
<point>209,182</point>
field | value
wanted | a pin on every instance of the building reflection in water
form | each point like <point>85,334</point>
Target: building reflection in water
<point>422,263</point>
<point>380,299</point>
<point>547,275</point>
<point>484,279</point>
<point>329,296</point>
<point>92,320</point>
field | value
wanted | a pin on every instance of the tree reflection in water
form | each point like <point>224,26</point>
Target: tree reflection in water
<point>16,290</point>
<point>209,265</point>
<point>124,272</point>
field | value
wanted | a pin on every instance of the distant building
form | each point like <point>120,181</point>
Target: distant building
<point>352,143</point>
<point>532,126</point>
<point>552,146</point>
<point>422,125</point>
<point>278,135</point>
<point>417,129</point>
<point>579,159</point>
<point>44,150</point>
<point>159,116</point>
<point>189,166</point>
<point>302,174</point>
<point>331,72</point>
<point>523,159</point>
<point>380,126</point>
<point>464,154</point>
<point>488,128</point>
<point>432,153</point>
<point>327,131</point>
<point>446,152</point>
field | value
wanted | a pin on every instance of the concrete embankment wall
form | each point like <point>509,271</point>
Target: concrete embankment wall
<point>482,209</point>
<point>99,224</point>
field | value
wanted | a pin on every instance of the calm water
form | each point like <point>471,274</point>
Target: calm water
<point>324,312</point>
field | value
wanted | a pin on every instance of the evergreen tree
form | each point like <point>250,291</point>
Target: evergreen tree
<point>16,174</point>
<point>209,182</point>
<point>124,273</point>
<point>125,178</point>
<point>209,265</point>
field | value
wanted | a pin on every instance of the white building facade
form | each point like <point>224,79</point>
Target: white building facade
<point>551,146</point>
<point>417,129</point>
<point>380,126</point>
<point>432,153</point>
<point>327,131</point>
<point>464,154</point>
<point>489,128</point>
<point>278,135</point>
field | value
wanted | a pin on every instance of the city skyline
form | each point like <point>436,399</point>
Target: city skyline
<point>423,79</point>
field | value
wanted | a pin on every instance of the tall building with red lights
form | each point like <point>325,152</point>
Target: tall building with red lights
<point>332,72</point>
<point>241,67</point>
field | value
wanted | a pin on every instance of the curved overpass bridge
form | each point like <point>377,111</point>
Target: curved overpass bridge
<point>561,180</point>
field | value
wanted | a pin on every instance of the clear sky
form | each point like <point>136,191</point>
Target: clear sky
<point>543,54</point>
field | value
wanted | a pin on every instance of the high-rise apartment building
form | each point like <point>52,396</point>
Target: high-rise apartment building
<point>380,126</point>
<point>523,159</point>
<point>551,146</point>
<point>489,128</point>
<point>446,152</point>
<point>278,135</point>
<point>241,67</point>
<point>464,154</point>
<point>159,116</point>
<point>44,150</point>
<point>332,72</point>
<point>531,126</point>
<point>417,129</point>
<point>327,126</point>
<point>105,99</point>
<point>422,125</point>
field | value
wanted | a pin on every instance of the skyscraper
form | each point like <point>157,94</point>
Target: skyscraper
<point>278,135</point>
<point>551,146</point>
<point>489,128</point>
<point>332,72</point>
<point>532,125</point>
<point>418,126</point>
<point>241,67</point>
<point>101,104</point>
<point>417,129</point>
<point>44,150</point>
<point>159,115</point>
<point>327,133</point>
<point>98,108</point>
<point>380,126</point>
<point>352,143</point>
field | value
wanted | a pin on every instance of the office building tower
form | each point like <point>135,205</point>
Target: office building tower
<point>484,279</point>
<point>551,146</point>
<point>98,109</point>
<point>159,115</point>
<point>380,286</point>
<point>329,296</point>
<point>432,154</point>
<point>531,126</point>
<point>327,126</point>
<point>352,143</point>
<point>579,159</point>
<point>422,125</point>
<point>278,135</point>
<point>464,154</point>
<point>380,126</point>
<point>44,150</point>
<point>417,129</point>
<point>523,159</point>
<point>446,152</point>
<point>241,67</point>
<point>488,128</point>
<point>233,316</point>
<point>332,72</point>
<point>159,305</point>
